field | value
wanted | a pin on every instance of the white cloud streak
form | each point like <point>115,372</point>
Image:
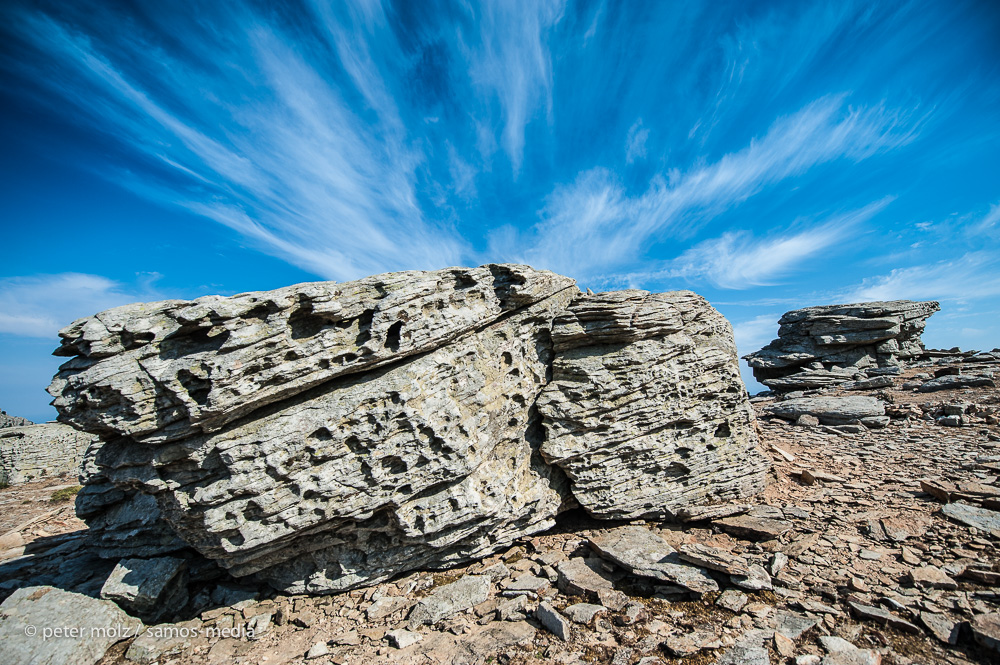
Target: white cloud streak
<point>972,276</point>
<point>296,169</point>
<point>512,63</point>
<point>39,306</point>
<point>738,260</point>
<point>594,224</point>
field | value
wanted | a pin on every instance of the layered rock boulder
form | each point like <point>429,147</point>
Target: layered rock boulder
<point>646,411</point>
<point>33,452</point>
<point>326,436</point>
<point>823,346</point>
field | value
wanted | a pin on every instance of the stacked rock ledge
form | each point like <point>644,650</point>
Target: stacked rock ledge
<point>327,436</point>
<point>833,344</point>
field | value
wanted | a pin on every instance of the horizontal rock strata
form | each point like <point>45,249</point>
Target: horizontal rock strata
<point>33,452</point>
<point>646,411</point>
<point>326,436</point>
<point>822,346</point>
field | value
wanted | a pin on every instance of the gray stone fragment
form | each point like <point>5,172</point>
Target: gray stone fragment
<point>402,638</point>
<point>697,513</point>
<point>793,625</point>
<point>583,612</point>
<point>986,630</point>
<point>732,600</point>
<point>756,579</point>
<point>95,625</point>
<point>882,616</point>
<point>151,589</point>
<point>578,577</point>
<point>753,528</point>
<point>941,627</point>
<point>974,516</point>
<point>744,655</point>
<point>450,599</point>
<point>714,558</point>
<point>644,553</point>
<point>550,617</point>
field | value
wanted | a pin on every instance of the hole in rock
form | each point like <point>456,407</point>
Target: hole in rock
<point>722,430</point>
<point>392,336</point>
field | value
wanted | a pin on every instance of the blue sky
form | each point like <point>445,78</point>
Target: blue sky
<point>768,155</point>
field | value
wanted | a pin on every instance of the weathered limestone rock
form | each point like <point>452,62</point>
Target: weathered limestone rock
<point>32,452</point>
<point>329,436</point>
<point>821,346</point>
<point>87,627</point>
<point>829,410</point>
<point>646,411</point>
<point>165,370</point>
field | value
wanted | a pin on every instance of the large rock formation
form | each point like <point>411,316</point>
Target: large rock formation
<point>822,346</point>
<point>646,411</point>
<point>40,451</point>
<point>325,436</point>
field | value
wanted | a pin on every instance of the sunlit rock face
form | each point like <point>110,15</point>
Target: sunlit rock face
<point>823,346</point>
<point>326,436</point>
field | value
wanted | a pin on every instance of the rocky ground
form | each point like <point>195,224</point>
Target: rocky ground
<point>870,544</point>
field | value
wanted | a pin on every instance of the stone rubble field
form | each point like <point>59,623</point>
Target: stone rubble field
<point>851,555</point>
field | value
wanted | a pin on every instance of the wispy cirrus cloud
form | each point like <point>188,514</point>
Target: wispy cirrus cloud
<point>511,62</point>
<point>971,276</point>
<point>40,305</point>
<point>298,168</point>
<point>595,224</point>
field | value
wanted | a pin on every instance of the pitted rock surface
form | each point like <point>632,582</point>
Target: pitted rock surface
<point>828,345</point>
<point>646,412</point>
<point>328,436</point>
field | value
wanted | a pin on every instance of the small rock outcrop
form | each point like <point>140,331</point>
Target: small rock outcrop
<point>833,344</point>
<point>7,420</point>
<point>33,452</point>
<point>327,436</point>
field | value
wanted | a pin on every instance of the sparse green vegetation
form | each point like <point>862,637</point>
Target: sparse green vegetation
<point>65,494</point>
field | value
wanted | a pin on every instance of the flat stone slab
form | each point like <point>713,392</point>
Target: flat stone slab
<point>88,627</point>
<point>450,599</point>
<point>829,410</point>
<point>952,382</point>
<point>644,553</point>
<point>152,589</point>
<point>883,616</point>
<point>941,627</point>
<point>583,612</point>
<point>986,630</point>
<point>698,513</point>
<point>753,528</point>
<point>974,516</point>
<point>792,625</point>
<point>732,600</point>
<point>714,558</point>
<point>933,577</point>
<point>578,578</point>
